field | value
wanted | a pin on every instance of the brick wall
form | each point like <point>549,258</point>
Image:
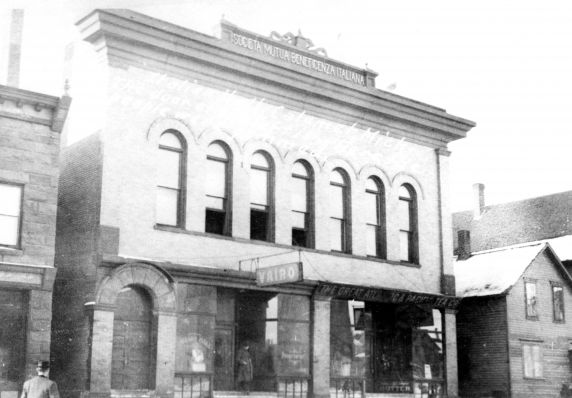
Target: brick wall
<point>553,337</point>
<point>76,260</point>
<point>29,155</point>
<point>482,347</point>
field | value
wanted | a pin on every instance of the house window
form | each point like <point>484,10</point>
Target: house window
<point>558,302</point>
<point>10,214</point>
<point>531,300</point>
<point>301,205</point>
<point>339,211</point>
<point>261,194</point>
<point>408,224</point>
<point>217,214</point>
<point>532,359</point>
<point>374,211</point>
<point>170,186</point>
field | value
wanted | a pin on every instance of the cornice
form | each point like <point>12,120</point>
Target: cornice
<point>58,107</point>
<point>132,39</point>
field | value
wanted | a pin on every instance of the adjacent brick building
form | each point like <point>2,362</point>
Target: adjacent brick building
<point>249,190</point>
<point>30,127</point>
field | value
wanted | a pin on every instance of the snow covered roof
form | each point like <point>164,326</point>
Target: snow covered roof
<point>494,271</point>
<point>562,246</point>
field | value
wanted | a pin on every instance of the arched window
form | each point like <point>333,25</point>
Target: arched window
<point>408,239</point>
<point>302,206</point>
<point>218,177</point>
<point>339,211</point>
<point>375,218</point>
<point>261,197</point>
<point>171,182</point>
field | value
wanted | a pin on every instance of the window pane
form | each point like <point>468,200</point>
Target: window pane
<point>404,245</point>
<point>336,201</point>
<point>299,197</point>
<point>299,237</point>
<point>528,361</point>
<point>299,220</point>
<point>167,206</point>
<point>404,215</point>
<point>169,163</point>
<point>336,234</point>
<point>371,209</point>
<point>170,140</point>
<point>258,225</point>
<point>10,199</point>
<point>217,151</point>
<point>13,314</point>
<point>371,185</point>
<point>404,192</point>
<point>259,187</point>
<point>216,179</point>
<point>537,360</point>
<point>259,160</point>
<point>300,170</point>
<point>558,298</point>
<point>215,203</point>
<point>214,222</point>
<point>371,240</point>
<point>9,230</point>
<point>337,178</point>
<point>530,288</point>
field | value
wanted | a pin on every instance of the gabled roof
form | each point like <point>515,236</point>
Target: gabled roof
<point>529,220</point>
<point>493,272</point>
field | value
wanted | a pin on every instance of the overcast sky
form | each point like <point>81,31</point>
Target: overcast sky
<point>507,65</point>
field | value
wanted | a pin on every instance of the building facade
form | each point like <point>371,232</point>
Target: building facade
<point>249,191</point>
<point>30,127</point>
<point>513,334</point>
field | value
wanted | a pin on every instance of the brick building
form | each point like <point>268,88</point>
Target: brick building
<point>248,190</point>
<point>30,127</point>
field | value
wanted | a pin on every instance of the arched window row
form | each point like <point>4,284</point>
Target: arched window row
<point>218,200</point>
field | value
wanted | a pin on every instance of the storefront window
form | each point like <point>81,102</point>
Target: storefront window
<point>13,310</point>
<point>276,328</point>
<point>347,339</point>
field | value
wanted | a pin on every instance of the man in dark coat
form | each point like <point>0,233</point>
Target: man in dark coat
<point>40,386</point>
<point>244,376</point>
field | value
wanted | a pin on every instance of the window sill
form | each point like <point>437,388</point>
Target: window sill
<point>179,230</point>
<point>12,251</point>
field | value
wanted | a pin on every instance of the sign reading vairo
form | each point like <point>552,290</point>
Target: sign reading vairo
<point>283,273</point>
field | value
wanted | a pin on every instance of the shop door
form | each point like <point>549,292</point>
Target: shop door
<point>224,359</point>
<point>131,355</point>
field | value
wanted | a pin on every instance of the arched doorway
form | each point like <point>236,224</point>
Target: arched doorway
<point>132,363</point>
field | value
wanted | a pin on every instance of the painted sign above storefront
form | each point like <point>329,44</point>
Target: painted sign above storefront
<point>277,274</point>
<point>296,50</point>
<point>386,295</point>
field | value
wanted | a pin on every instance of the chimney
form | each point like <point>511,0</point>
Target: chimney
<point>479,199</point>
<point>15,50</point>
<point>463,244</point>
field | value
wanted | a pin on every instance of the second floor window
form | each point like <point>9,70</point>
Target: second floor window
<point>408,241</point>
<point>558,302</point>
<point>375,218</point>
<point>531,300</point>
<point>217,213</point>
<point>301,205</point>
<point>261,195</point>
<point>10,214</point>
<point>171,177</point>
<point>339,211</point>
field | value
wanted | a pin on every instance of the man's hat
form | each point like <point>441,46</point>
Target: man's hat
<point>43,365</point>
